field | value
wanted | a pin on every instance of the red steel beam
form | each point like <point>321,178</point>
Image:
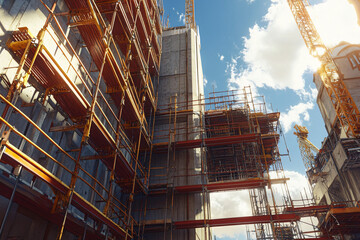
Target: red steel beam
<point>223,186</point>
<point>211,142</point>
<point>230,185</point>
<point>308,210</point>
<point>250,183</point>
<point>216,187</point>
<point>219,141</point>
<point>279,218</point>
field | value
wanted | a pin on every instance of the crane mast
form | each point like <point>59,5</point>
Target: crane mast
<point>190,14</point>
<point>344,105</point>
<point>307,149</point>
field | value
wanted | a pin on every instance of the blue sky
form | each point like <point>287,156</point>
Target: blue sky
<point>257,43</point>
<point>223,26</point>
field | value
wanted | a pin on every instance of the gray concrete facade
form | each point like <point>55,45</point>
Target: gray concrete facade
<point>340,173</point>
<point>181,78</point>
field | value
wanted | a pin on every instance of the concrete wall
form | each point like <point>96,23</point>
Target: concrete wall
<point>24,224</point>
<point>181,76</point>
<point>351,75</point>
<point>334,179</point>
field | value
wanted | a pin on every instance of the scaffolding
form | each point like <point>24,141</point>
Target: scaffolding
<point>236,138</point>
<point>83,150</point>
<point>89,130</point>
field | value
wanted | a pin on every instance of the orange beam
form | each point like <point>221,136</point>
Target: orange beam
<point>229,185</point>
<point>279,218</point>
<point>268,139</point>
<point>223,186</point>
<point>308,210</point>
<point>220,186</point>
<point>14,157</point>
<point>210,142</point>
<point>341,99</point>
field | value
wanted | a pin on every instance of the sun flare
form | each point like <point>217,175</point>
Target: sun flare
<point>336,21</point>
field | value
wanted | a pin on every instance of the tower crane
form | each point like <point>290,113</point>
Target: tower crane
<point>307,149</point>
<point>190,14</point>
<point>344,105</point>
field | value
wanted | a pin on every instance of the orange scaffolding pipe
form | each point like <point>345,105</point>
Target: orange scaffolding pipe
<point>218,141</point>
<point>222,186</point>
<point>14,156</point>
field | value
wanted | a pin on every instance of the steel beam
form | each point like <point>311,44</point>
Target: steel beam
<point>279,218</point>
<point>308,210</point>
<point>210,142</point>
<point>219,141</point>
<point>230,185</point>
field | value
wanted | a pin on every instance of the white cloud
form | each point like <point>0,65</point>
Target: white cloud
<point>307,95</point>
<point>300,193</point>
<point>336,21</point>
<point>230,204</point>
<point>214,85</point>
<point>221,57</point>
<point>237,203</point>
<point>205,81</point>
<point>181,17</point>
<point>298,185</point>
<point>295,115</point>
<point>237,79</point>
<point>276,55</point>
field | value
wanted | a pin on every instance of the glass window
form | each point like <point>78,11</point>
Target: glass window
<point>354,59</point>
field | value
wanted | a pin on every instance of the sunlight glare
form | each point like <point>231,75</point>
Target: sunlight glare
<point>336,21</point>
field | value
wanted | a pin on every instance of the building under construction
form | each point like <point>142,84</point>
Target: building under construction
<point>337,165</point>
<point>334,170</point>
<point>106,132</point>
